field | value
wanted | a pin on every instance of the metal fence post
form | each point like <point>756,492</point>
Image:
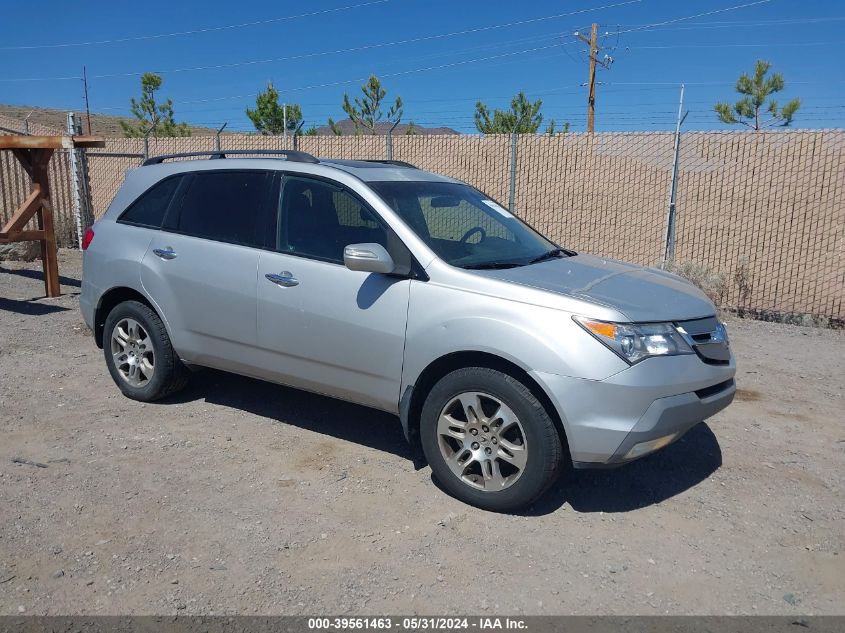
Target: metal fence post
<point>147,141</point>
<point>671,215</point>
<point>74,180</point>
<point>85,185</point>
<point>296,135</point>
<point>217,136</point>
<point>512,195</point>
<point>389,141</point>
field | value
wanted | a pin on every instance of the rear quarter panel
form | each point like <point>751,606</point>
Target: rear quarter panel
<point>112,260</point>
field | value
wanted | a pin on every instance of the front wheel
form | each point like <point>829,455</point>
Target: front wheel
<point>490,442</point>
<point>139,355</point>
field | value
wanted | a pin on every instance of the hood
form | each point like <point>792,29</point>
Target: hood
<point>641,294</point>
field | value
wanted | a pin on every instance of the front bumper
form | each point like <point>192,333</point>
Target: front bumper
<point>639,410</point>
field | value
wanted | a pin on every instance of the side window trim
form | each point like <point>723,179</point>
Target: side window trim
<point>178,195</point>
<point>269,214</point>
<point>122,217</point>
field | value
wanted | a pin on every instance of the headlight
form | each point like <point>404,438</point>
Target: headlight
<point>637,341</point>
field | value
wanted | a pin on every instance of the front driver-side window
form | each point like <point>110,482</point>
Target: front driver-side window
<point>319,219</point>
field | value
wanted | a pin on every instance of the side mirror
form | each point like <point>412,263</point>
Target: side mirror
<point>368,258</point>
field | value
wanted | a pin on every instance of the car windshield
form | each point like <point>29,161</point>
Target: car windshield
<point>464,227</point>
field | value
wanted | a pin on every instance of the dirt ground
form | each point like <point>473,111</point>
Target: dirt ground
<point>241,497</point>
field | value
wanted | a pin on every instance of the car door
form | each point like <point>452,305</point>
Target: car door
<point>201,267</point>
<point>324,327</point>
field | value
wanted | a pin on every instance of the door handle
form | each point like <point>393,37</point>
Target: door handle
<point>165,253</point>
<point>285,279</point>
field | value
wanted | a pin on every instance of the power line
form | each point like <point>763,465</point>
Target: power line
<point>778,44</point>
<point>739,23</point>
<point>355,49</point>
<point>606,61</point>
<point>7,80</point>
<point>382,75</point>
<point>692,17</point>
<point>212,29</point>
<point>321,54</point>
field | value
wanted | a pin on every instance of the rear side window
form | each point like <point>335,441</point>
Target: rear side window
<point>224,205</point>
<point>149,209</point>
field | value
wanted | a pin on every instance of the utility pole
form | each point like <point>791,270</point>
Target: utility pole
<point>87,108</point>
<point>592,42</point>
<point>284,119</point>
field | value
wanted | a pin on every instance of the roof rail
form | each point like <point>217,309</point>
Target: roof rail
<point>289,154</point>
<point>398,163</point>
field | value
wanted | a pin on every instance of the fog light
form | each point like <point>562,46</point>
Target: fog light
<point>644,448</point>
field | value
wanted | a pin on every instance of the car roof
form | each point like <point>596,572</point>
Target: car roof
<point>293,162</point>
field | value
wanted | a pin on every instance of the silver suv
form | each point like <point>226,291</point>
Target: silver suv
<point>505,356</point>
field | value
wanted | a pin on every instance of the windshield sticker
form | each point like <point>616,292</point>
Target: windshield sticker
<point>498,208</point>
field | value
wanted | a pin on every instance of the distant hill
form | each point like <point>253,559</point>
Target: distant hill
<point>109,125</point>
<point>348,128</point>
<point>101,124</point>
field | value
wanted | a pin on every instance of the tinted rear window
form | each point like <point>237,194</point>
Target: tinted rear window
<point>224,206</point>
<point>149,209</point>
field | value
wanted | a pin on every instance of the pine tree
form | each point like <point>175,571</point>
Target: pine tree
<point>155,118</point>
<point>524,117</point>
<point>335,128</point>
<point>365,112</point>
<point>269,116</point>
<point>756,90</point>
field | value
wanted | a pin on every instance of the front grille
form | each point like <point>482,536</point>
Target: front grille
<point>700,335</point>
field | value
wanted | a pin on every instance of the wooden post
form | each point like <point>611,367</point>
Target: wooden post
<point>593,43</point>
<point>49,254</point>
<point>591,100</point>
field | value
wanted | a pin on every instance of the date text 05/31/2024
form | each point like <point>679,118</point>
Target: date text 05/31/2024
<point>416,623</point>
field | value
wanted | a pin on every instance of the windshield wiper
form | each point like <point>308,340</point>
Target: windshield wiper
<point>555,252</point>
<point>492,265</point>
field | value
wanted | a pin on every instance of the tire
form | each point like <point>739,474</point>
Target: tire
<point>504,468</point>
<point>139,355</point>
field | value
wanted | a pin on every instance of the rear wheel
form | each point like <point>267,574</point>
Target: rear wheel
<point>489,440</point>
<point>139,355</point>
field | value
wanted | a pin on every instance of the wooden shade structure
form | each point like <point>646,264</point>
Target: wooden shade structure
<point>34,153</point>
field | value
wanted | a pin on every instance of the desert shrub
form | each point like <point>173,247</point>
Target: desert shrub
<point>713,283</point>
<point>742,280</point>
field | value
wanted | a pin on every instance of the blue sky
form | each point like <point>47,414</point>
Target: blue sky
<point>460,52</point>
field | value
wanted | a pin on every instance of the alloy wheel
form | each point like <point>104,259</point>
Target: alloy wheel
<point>482,441</point>
<point>132,351</point>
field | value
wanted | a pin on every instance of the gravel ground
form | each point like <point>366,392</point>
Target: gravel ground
<point>241,497</point>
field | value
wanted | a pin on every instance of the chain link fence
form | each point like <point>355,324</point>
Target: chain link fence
<point>761,213</point>
<point>15,183</point>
